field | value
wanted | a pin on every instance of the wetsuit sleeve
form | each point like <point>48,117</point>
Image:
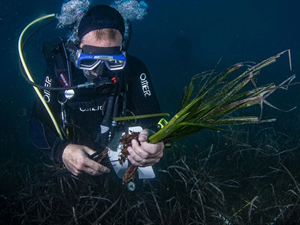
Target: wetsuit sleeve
<point>141,95</point>
<point>42,132</point>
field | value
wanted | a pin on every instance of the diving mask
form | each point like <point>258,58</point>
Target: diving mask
<point>90,57</point>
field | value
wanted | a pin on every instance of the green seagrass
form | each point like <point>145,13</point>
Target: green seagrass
<point>216,99</point>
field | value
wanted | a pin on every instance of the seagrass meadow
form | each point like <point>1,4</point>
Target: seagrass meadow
<point>250,177</point>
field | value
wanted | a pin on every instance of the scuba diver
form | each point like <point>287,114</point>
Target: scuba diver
<point>116,84</point>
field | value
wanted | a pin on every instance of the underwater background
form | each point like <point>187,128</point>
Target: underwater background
<point>245,177</point>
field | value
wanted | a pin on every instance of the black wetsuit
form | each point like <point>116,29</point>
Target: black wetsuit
<point>86,110</point>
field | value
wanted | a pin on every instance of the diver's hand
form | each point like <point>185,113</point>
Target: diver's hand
<point>145,154</point>
<point>76,159</point>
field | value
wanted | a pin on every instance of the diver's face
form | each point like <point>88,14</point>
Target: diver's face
<point>92,40</point>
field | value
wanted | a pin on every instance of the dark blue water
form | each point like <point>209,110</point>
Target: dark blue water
<point>176,40</point>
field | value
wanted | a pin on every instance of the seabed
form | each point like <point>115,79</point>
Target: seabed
<point>245,177</point>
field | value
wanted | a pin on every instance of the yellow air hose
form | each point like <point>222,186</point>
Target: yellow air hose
<point>29,75</point>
